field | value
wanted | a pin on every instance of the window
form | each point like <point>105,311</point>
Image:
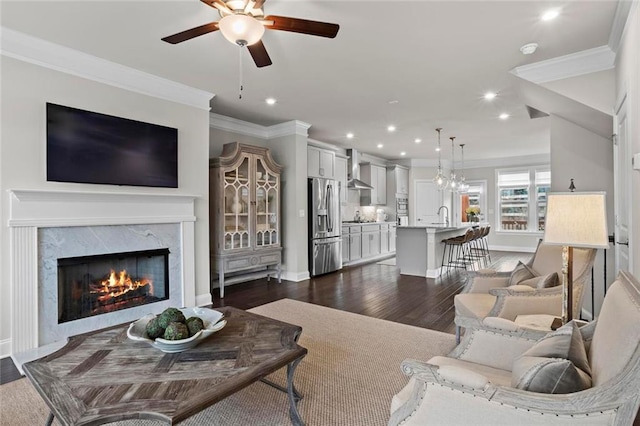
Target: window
<point>522,198</point>
<point>543,184</point>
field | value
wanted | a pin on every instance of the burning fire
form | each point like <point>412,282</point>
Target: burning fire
<point>119,284</point>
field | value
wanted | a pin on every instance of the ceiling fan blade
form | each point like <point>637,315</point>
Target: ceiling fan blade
<point>259,54</point>
<point>192,33</point>
<point>218,4</point>
<point>303,26</point>
<point>250,4</point>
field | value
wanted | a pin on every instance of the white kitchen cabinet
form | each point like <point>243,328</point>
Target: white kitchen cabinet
<point>341,175</point>
<point>397,182</point>
<point>345,244</point>
<point>355,247</point>
<point>375,176</point>
<point>392,237</point>
<point>370,240</point>
<point>321,162</point>
<point>367,241</point>
<point>384,239</point>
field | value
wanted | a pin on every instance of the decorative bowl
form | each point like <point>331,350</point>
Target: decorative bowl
<point>212,322</point>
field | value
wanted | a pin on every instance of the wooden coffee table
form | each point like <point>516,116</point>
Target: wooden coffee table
<point>102,377</point>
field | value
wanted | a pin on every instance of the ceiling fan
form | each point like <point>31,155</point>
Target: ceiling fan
<point>243,23</point>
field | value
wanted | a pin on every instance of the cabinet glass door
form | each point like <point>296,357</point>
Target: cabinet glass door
<point>237,207</point>
<point>267,199</point>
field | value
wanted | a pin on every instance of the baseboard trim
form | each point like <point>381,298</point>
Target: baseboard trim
<point>204,299</point>
<point>295,276</point>
<point>513,248</point>
<point>5,348</point>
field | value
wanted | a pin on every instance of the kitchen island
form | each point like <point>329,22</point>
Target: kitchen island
<point>419,248</point>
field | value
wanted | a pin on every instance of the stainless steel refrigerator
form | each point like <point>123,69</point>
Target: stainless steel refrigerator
<point>325,251</point>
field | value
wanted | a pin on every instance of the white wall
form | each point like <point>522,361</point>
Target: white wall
<point>587,158</point>
<point>292,154</point>
<point>628,81</point>
<point>25,90</point>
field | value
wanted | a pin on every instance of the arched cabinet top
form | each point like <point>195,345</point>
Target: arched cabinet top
<point>233,153</point>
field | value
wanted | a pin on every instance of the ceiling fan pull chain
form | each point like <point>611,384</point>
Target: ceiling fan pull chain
<point>240,73</point>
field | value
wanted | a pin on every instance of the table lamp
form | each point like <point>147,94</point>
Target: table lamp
<point>575,219</point>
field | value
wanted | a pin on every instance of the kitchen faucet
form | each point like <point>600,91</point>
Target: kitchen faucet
<point>446,218</point>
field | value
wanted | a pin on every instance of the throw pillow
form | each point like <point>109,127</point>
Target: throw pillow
<point>545,281</point>
<point>556,364</point>
<point>520,273</point>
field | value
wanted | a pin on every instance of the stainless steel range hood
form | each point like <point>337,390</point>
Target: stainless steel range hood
<point>353,171</point>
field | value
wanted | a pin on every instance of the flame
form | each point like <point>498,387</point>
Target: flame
<point>120,283</point>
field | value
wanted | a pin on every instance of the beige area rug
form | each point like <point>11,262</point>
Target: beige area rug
<point>348,377</point>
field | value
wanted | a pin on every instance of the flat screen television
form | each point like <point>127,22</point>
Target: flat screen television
<point>88,147</point>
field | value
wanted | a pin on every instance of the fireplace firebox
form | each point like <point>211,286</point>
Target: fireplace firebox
<point>93,285</point>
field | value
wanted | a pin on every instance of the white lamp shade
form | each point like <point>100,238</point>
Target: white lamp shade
<point>241,28</point>
<point>577,219</point>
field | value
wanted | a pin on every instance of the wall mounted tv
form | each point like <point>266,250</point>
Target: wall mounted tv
<point>87,147</point>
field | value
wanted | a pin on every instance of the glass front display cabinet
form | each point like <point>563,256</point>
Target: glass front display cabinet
<point>244,213</point>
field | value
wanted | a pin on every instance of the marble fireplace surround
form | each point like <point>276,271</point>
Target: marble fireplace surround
<point>34,213</point>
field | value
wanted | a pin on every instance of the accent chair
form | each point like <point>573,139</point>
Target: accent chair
<point>528,290</point>
<point>501,374</point>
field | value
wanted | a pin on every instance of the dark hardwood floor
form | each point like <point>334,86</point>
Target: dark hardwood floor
<point>374,290</point>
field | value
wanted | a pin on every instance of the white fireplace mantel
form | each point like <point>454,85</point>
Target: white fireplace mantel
<point>33,209</point>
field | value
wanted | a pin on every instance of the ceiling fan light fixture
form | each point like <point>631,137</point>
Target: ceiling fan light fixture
<point>241,29</point>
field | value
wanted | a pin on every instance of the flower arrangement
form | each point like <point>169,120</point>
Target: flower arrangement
<point>472,213</point>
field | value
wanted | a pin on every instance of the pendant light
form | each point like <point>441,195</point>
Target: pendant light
<point>453,182</point>
<point>463,186</point>
<point>440,179</point>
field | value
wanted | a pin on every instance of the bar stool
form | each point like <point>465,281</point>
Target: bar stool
<point>458,248</point>
<point>476,251</point>
<point>485,241</point>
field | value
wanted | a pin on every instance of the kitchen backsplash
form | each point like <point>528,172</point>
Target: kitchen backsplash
<point>367,213</point>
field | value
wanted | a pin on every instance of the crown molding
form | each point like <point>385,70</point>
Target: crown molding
<point>624,10</point>
<point>230,124</point>
<point>575,64</point>
<point>288,128</point>
<point>46,54</point>
<point>241,127</point>
<point>323,145</point>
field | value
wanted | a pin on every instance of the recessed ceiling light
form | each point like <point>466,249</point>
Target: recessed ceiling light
<point>380,145</point>
<point>393,102</point>
<point>437,149</point>
<point>403,153</point>
<point>418,140</point>
<point>270,101</point>
<point>391,128</point>
<point>550,15</point>
<point>350,135</point>
<point>489,96</point>
<point>504,116</point>
<point>529,48</point>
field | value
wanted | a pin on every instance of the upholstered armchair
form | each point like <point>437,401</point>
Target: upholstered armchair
<point>488,293</point>
<point>500,374</point>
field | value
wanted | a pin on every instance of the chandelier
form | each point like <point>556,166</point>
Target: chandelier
<point>463,186</point>
<point>440,179</point>
<point>453,181</point>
